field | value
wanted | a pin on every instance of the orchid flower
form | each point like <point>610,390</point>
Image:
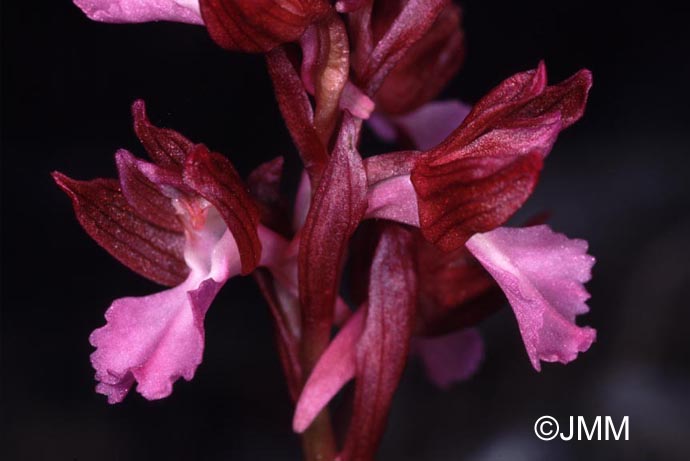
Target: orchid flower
<point>457,194</point>
<point>184,220</point>
<point>475,179</point>
<point>419,229</point>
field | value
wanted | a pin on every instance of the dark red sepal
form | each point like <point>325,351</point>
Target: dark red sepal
<point>427,66</point>
<point>472,195</point>
<point>487,168</point>
<point>258,26</point>
<point>383,347</point>
<point>166,147</point>
<point>213,177</point>
<point>148,249</point>
<point>568,98</point>
<point>410,24</point>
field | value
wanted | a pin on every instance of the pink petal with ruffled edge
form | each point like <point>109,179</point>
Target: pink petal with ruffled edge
<point>127,11</point>
<point>542,274</point>
<point>153,340</point>
<point>450,358</point>
<point>156,339</point>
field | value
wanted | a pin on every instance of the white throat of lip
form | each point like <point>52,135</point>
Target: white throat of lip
<point>204,228</point>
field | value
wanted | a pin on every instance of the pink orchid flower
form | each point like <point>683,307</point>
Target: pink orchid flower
<point>184,220</point>
<point>478,177</point>
<point>457,194</point>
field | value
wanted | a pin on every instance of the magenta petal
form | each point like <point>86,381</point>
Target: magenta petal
<point>156,339</point>
<point>390,193</point>
<point>335,368</point>
<point>542,274</point>
<point>432,123</point>
<point>394,199</point>
<point>426,127</point>
<point>152,339</point>
<point>124,11</point>
<point>451,358</point>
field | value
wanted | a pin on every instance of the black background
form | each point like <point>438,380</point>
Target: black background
<point>618,178</point>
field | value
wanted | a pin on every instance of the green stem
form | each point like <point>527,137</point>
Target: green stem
<point>318,442</point>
